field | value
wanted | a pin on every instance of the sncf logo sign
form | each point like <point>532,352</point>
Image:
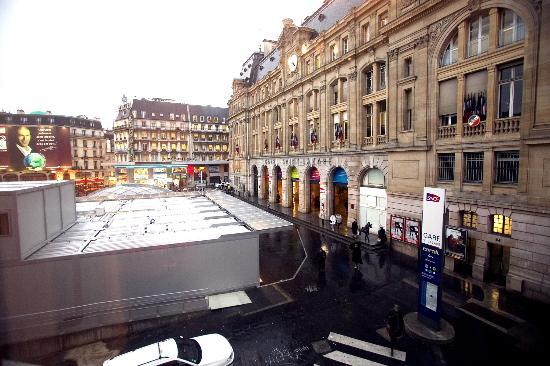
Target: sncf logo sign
<point>432,197</point>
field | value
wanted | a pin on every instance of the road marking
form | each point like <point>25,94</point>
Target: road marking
<point>350,360</point>
<point>366,346</point>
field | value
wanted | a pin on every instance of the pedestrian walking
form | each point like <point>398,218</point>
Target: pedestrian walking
<point>395,325</point>
<point>366,230</point>
<point>322,214</point>
<point>332,221</point>
<point>320,260</point>
<point>382,238</point>
<point>338,220</point>
<point>356,256</point>
<point>354,228</point>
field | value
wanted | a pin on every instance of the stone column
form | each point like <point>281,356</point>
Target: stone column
<point>375,122</point>
<point>462,41</point>
<point>479,265</point>
<point>491,100</point>
<point>286,194</point>
<point>302,125</point>
<point>460,90</point>
<point>375,76</point>
<point>494,25</point>
<point>323,124</point>
<point>354,134</point>
<point>394,99</point>
<point>488,173</point>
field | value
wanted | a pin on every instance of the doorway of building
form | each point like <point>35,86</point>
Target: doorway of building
<point>340,193</point>
<point>464,268</point>
<point>254,181</point>
<point>278,174</point>
<point>314,178</point>
<point>373,200</point>
<point>499,263</point>
<point>295,187</point>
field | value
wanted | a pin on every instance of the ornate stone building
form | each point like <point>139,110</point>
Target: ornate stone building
<point>367,102</point>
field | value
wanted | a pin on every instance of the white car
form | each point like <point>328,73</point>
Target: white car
<point>206,350</point>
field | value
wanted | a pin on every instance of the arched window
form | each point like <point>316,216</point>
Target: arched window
<point>450,54</point>
<point>374,178</point>
<point>511,28</point>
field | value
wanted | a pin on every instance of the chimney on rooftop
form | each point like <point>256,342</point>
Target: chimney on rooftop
<point>20,111</point>
<point>49,112</point>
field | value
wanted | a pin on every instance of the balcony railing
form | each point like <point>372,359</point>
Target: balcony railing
<point>445,132</point>
<point>381,139</point>
<point>478,130</point>
<point>506,125</point>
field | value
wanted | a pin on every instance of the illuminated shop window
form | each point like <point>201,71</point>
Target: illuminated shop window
<point>502,224</point>
<point>469,219</point>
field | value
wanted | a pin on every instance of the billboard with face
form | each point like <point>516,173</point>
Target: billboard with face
<point>34,147</point>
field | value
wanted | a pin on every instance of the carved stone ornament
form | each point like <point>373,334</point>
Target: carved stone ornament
<point>392,54</point>
<point>474,5</point>
<point>353,76</point>
<point>537,4</point>
<point>407,3</point>
<point>422,41</point>
<point>435,30</point>
<point>323,88</point>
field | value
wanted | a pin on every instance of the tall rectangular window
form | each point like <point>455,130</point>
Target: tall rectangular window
<point>511,28</point>
<point>506,167</point>
<point>365,33</point>
<point>446,167</point>
<point>333,52</point>
<point>382,118</point>
<point>383,19</point>
<point>408,67</point>
<point>478,38</point>
<point>317,61</point>
<point>407,110</point>
<point>382,76</point>
<point>345,45</point>
<point>473,167</point>
<point>510,91</point>
<point>502,225</point>
<point>447,102</point>
<point>368,120</point>
<point>368,81</point>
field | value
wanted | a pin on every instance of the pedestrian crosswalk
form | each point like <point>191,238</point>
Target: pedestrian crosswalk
<point>355,352</point>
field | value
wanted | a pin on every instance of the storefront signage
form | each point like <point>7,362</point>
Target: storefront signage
<point>455,242</point>
<point>412,231</point>
<point>431,257</point>
<point>397,225</point>
<point>305,161</point>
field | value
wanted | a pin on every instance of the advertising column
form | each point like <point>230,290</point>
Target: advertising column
<point>431,257</point>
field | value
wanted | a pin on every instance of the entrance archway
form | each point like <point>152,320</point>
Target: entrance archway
<point>254,181</point>
<point>313,179</point>
<point>294,185</point>
<point>340,193</point>
<point>265,183</point>
<point>278,188</point>
<point>373,199</point>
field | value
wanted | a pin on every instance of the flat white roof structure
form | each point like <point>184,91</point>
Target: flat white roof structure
<point>254,217</point>
<point>111,225</point>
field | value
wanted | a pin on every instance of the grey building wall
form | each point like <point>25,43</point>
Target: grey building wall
<point>74,293</point>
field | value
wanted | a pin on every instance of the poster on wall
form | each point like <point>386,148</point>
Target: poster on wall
<point>34,147</point>
<point>412,231</point>
<point>455,243</point>
<point>397,228</point>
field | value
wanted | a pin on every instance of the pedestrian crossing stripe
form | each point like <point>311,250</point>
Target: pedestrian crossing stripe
<point>350,360</point>
<point>366,346</point>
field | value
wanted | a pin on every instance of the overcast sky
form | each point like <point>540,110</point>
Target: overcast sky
<point>77,57</point>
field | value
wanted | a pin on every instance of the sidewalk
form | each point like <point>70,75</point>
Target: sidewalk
<point>312,221</point>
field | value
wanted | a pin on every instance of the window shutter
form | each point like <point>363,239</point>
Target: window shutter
<point>447,97</point>
<point>476,82</point>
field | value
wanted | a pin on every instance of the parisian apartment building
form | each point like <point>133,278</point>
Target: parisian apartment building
<point>365,103</point>
<point>163,141</point>
<point>87,145</point>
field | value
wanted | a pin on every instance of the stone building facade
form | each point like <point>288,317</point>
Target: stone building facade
<point>367,102</point>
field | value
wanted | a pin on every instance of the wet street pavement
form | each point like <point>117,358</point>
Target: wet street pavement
<point>297,307</point>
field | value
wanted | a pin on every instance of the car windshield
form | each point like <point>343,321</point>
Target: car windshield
<point>189,350</point>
